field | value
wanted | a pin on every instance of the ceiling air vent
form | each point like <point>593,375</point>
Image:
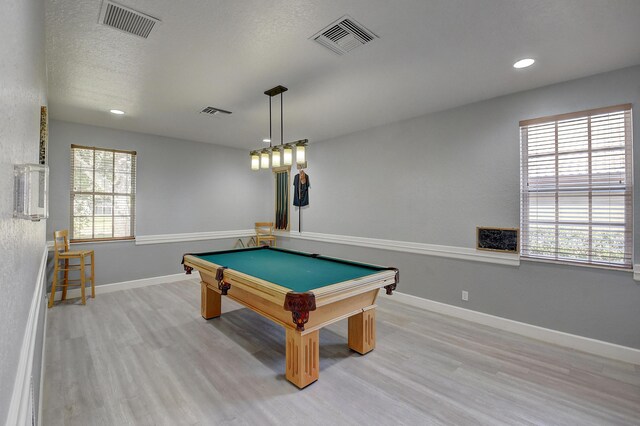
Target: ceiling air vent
<point>213,111</point>
<point>126,19</point>
<point>344,35</point>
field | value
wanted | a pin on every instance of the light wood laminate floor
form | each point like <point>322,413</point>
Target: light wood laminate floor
<point>145,356</point>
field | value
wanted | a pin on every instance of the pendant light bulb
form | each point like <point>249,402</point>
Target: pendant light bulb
<point>264,159</point>
<point>287,155</point>
<point>275,157</point>
<point>301,156</point>
<point>255,160</point>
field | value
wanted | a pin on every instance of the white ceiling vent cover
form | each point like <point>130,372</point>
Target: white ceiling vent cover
<point>126,19</point>
<point>213,111</point>
<point>344,35</point>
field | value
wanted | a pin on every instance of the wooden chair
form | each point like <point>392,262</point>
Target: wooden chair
<point>264,233</point>
<point>64,255</point>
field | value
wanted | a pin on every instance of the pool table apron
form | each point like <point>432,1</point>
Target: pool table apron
<point>354,299</point>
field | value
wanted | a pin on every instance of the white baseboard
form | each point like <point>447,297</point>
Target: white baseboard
<point>125,285</point>
<point>21,406</point>
<point>584,344</point>
<point>43,364</point>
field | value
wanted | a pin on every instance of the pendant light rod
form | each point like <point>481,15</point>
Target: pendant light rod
<point>278,90</point>
<point>270,137</point>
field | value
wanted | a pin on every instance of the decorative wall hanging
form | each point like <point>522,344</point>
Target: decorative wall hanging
<point>498,239</point>
<point>44,136</point>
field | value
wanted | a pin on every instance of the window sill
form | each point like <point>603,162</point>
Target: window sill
<point>576,264</point>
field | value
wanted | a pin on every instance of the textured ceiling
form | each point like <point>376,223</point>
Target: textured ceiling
<point>431,55</point>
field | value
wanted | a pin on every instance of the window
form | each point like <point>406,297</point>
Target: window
<point>576,187</point>
<point>103,193</point>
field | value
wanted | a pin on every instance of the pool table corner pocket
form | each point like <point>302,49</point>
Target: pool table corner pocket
<point>300,304</point>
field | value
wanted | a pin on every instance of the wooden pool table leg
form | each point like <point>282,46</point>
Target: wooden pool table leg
<point>362,331</point>
<point>210,302</point>
<point>302,357</point>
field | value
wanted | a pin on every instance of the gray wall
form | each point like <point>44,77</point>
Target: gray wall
<point>434,178</point>
<point>431,179</point>
<point>182,187</point>
<point>22,92</point>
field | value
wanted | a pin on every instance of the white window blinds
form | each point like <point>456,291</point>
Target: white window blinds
<point>103,193</point>
<point>577,186</point>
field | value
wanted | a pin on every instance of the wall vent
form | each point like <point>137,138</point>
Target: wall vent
<point>126,19</point>
<point>213,111</point>
<point>344,35</point>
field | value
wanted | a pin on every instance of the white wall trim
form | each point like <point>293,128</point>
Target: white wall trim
<point>636,272</point>
<point>43,364</point>
<point>193,236</point>
<point>21,405</point>
<point>126,285</point>
<point>452,252</point>
<point>584,344</point>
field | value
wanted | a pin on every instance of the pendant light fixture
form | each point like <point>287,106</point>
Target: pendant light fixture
<point>280,154</point>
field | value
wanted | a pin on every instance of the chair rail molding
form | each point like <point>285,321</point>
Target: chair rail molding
<point>452,252</point>
<point>193,236</point>
<point>21,405</point>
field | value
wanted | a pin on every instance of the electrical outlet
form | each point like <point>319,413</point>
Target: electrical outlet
<point>465,296</point>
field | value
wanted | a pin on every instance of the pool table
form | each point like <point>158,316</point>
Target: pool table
<point>302,292</point>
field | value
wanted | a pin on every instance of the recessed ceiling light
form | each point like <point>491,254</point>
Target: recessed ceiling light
<point>266,140</point>
<point>116,112</point>
<point>524,63</point>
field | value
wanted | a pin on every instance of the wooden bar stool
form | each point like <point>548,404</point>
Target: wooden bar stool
<point>62,253</point>
<point>264,233</point>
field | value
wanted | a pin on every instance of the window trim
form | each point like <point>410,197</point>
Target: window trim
<point>134,155</point>
<point>570,115</point>
<point>629,219</point>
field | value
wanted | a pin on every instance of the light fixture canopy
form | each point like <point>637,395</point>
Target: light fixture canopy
<point>301,155</point>
<point>255,160</point>
<point>524,63</point>
<point>264,159</point>
<point>116,111</point>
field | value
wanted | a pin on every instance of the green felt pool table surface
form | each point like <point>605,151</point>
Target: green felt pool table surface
<point>294,270</point>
